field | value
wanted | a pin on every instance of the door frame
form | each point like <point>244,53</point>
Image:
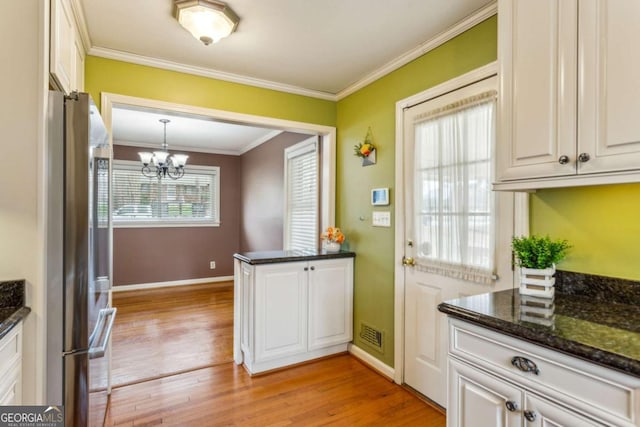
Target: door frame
<point>327,135</point>
<point>521,207</point>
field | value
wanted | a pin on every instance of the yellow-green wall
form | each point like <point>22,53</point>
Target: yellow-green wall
<point>374,106</point>
<point>107,75</point>
<point>601,222</point>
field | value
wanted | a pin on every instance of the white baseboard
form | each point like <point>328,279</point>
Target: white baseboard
<point>382,368</point>
<point>156,285</point>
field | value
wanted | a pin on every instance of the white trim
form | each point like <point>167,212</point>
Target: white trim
<point>328,134</point>
<point>207,72</point>
<point>81,25</point>
<point>379,366</point>
<point>457,29</point>
<point>399,284</point>
<point>215,281</point>
<point>253,144</point>
<point>260,141</point>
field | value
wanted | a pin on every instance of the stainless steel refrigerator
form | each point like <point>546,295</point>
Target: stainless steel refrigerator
<point>79,315</point>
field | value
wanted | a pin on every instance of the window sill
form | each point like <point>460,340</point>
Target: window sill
<point>163,224</point>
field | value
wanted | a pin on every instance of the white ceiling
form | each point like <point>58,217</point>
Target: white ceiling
<point>142,128</point>
<point>319,47</point>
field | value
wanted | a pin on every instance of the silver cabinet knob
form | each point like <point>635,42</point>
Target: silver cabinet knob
<point>306,269</point>
<point>312,268</point>
<point>511,405</point>
<point>563,160</point>
<point>529,415</point>
<point>584,157</point>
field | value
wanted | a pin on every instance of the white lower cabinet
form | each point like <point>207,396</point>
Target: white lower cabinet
<point>290,312</point>
<point>11,367</point>
<point>497,380</point>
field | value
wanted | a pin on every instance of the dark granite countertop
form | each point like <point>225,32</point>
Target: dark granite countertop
<point>273,257</point>
<point>12,309</point>
<point>604,331</point>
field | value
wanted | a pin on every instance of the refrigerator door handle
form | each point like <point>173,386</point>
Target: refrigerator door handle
<point>102,330</point>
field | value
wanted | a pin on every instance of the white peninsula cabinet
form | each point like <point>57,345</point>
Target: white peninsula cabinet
<point>291,307</point>
<point>11,367</point>
<point>497,380</point>
<point>569,93</point>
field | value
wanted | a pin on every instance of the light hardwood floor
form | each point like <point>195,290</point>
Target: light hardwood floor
<point>337,391</point>
<point>164,331</point>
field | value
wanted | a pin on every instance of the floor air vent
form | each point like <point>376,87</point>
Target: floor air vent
<point>371,336</point>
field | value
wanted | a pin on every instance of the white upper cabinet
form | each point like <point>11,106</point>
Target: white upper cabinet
<point>568,93</point>
<point>66,58</point>
<point>609,85</point>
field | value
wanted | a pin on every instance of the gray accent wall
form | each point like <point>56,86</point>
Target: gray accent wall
<point>262,193</point>
<point>251,215</point>
<point>150,255</point>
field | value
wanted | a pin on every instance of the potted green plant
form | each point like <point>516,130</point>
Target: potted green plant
<point>537,258</point>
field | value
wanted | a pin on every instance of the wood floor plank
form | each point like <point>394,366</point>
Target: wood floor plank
<point>337,391</point>
<point>160,332</point>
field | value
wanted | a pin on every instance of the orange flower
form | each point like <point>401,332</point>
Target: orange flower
<point>333,234</point>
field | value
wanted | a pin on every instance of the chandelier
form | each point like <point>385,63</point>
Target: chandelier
<point>159,165</point>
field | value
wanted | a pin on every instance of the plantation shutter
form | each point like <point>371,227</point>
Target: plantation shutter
<point>301,195</point>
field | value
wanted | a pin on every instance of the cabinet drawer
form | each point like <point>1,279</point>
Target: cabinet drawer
<point>10,386</point>
<point>598,391</point>
<point>10,348</point>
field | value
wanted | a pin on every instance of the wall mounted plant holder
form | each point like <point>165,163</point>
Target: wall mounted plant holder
<point>370,159</point>
<point>366,150</point>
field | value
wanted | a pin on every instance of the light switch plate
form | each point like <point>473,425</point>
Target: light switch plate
<point>381,219</point>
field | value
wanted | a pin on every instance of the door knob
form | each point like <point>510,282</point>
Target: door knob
<point>563,160</point>
<point>529,415</point>
<point>584,157</point>
<point>408,261</point>
<point>511,405</point>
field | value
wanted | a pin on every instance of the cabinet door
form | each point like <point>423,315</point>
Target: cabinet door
<point>540,412</point>
<point>63,47</point>
<point>280,327</point>
<point>330,302</point>
<point>609,101</point>
<point>477,399</point>
<point>537,109</point>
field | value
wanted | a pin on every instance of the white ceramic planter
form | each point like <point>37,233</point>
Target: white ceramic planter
<point>332,246</point>
<point>538,282</point>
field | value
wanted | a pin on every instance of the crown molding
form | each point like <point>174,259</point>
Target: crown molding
<point>192,149</point>
<point>470,21</point>
<point>459,28</point>
<point>207,72</point>
<point>260,141</point>
<point>81,25</point>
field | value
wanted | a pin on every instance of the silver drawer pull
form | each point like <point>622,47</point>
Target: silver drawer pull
<point>525,365</point>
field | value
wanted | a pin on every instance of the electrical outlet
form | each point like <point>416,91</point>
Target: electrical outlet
<point>212,265</point>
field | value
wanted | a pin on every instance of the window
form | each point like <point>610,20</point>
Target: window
<point>141,201</point>
<point>301,195</point>
<point>454,204</point>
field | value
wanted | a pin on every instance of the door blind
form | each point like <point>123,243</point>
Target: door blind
<point>301,210</point>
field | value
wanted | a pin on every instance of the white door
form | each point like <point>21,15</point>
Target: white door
<point>453,230</point>
<point>482,400</point>
<point>330,302</point>
<point>609,58</point>
<point>541,412</point>
<point>281,310</point>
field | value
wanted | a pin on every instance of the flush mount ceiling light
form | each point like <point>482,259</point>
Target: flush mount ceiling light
<point>207,20</point>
